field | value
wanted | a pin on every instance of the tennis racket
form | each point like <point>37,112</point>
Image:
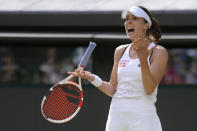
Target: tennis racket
<point>64,100</point>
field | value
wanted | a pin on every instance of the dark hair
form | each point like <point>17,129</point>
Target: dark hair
<point>154,32</point>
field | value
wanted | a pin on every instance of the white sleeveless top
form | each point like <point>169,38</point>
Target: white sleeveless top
<point>130,78</point>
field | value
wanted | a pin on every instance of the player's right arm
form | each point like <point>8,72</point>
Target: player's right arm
<point>109,88</point>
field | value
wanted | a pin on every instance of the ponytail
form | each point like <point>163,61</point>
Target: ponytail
<point>154,32</point>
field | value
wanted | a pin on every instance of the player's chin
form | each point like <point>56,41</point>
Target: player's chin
<point>131,37</point>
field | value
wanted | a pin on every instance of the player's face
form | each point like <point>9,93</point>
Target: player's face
<point>135,26</point>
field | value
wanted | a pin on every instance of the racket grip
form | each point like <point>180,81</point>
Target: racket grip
<point>87,54</point>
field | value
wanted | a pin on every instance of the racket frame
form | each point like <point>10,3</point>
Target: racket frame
<point>81,66</point>
<point>65,81</point>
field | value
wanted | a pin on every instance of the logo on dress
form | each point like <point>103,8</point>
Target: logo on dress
<point>122,63</point>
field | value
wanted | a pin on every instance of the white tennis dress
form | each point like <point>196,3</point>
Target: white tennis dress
<point>131,109</point>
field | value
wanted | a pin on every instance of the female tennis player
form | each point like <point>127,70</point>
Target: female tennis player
<point>137,70</point>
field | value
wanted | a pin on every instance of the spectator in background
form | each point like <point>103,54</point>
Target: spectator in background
<point>67,65</point>
<point>171,76</point>
<point>48,70</point>
<point>192,74</point>
<point>176,70</point>
<point>78,54</point>
<point>9,70</point>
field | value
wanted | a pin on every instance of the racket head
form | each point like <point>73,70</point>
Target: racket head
<point>62,102</point>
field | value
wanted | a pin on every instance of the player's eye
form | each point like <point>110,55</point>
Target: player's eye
<point>135,18</point>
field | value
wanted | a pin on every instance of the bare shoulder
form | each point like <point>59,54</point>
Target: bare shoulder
<point>118,51</point>
<point>160,52</point>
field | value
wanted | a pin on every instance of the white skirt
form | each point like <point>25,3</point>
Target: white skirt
<point>132,115</point>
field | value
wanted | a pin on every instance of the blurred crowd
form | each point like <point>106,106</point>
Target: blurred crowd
<point>50,65</point>
<point>9,70</point>
<point>182,67</point>
<point>47,66</point>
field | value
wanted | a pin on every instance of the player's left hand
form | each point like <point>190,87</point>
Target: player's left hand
<point>140,45</point>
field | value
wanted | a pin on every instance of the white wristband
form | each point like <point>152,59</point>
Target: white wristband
<point>97,81</point>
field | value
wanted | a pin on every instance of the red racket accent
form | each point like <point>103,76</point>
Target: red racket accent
<point>62,102</point>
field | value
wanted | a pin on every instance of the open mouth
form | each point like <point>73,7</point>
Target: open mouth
<point>130,30</point>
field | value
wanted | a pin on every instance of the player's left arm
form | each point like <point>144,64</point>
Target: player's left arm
<point>153,75</point>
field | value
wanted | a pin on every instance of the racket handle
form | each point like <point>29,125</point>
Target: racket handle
<point>87,54</point>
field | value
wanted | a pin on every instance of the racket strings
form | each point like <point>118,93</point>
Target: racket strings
<point>62,102</point>
<point>70,90</point>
